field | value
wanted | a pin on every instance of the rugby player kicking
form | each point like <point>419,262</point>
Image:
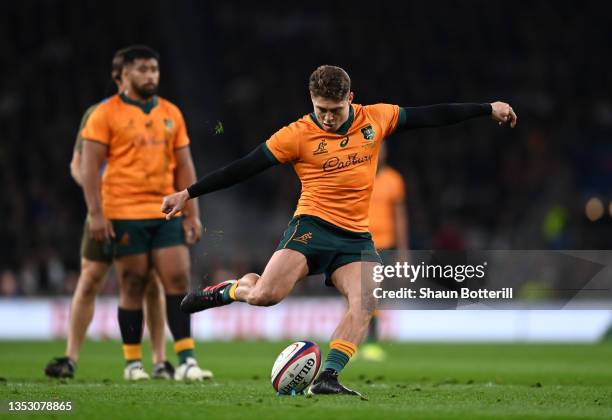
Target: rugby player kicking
<point>334,151</point>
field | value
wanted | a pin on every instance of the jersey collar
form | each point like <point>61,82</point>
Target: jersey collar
<point>146,107</point>
<point>344,128</point>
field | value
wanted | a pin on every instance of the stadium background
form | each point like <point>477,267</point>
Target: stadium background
<point>246,66</point>
<point>543,186</point>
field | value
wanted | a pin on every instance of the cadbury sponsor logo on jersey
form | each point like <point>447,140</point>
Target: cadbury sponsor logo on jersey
<point>334,163</point>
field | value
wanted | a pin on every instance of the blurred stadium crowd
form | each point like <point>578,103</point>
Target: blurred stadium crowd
<point>244,67</point>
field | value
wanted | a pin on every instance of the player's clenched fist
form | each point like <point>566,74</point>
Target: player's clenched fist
<point>174,203</point>
<point>503,114</point>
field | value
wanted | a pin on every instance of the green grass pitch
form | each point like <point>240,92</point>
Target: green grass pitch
<point>432,381</point>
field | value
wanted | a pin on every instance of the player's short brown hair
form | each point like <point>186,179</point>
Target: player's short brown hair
<point>330,82</point>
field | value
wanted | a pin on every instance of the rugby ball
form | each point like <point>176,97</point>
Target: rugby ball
<point>296,367</point>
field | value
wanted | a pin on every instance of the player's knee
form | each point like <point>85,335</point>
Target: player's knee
<point>88,290</point>
<point>133,285</point>
<point>176,283</point>
<point>91,282</point>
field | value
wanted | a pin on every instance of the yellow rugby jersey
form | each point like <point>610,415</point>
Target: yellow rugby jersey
<point>337,170</point>
<point>141,154</point>
<point>388,191</point>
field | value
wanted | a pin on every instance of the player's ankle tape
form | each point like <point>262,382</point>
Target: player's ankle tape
<point>232,291</point>
<point>132,352</point>
<point>344,346</point>
<point>183,344</point>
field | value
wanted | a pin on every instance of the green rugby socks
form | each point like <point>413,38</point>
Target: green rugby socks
<point>339,355</point>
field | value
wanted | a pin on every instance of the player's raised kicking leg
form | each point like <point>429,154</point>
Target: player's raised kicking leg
<point>283,270</point>
<point>352,328</point>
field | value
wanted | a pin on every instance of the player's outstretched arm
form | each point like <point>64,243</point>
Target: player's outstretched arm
<point>446,114</point>
<point>239,170</point>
